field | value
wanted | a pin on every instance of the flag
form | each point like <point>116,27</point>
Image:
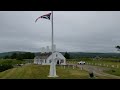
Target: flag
<point>47,16</point>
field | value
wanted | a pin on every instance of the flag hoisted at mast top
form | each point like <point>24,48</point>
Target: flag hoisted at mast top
<point>52,72</point>
<point>47,16</point>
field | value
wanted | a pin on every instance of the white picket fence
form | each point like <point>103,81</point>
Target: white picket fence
<point>105,65</point>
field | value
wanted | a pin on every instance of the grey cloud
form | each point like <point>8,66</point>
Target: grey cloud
<point>84,31</point>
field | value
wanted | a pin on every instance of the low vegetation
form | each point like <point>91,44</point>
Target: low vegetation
<point>114,71</point>
<point>9,63</point>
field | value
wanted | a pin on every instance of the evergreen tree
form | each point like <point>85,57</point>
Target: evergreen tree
<point>6,57</point>
<point>117,47</point>
<point>67,55</point>
<point>13,56</point>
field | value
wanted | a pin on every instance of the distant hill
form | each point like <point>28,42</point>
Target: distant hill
<point>91,55</point>
<point>96,54</point>
<point>72,54</point>
<point>10,53</point>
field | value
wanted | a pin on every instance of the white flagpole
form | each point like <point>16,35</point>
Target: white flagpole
<point>52,72</point>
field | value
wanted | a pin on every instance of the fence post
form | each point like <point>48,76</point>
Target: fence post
<point>117,66</point>
<point>73,67</point>
<point>64,66</point>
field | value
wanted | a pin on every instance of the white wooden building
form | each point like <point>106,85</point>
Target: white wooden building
<point>44,58</point>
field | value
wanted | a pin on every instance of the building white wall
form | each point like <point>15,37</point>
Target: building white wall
<point>59,57</point>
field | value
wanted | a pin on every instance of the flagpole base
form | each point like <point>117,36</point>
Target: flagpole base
<point>53,76</point>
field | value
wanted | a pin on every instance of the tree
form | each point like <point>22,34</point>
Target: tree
<point>4,67</point>
<point>6,57</point>
<point>117,47</point>
<point>19,58</point>
<point>67,55</point>
<point>13,56</point>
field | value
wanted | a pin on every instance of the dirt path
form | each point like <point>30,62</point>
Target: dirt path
<point>98,71</point>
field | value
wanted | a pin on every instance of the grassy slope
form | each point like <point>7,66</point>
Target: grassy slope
<point>11,61</point>
<point>41,72</point>
<point>114,71</point>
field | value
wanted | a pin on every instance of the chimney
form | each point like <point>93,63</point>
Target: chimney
<point>43,50</point>
<point>54,48</point>
<point>47,49</point>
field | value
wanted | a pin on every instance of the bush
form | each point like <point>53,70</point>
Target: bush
<point>91,75</point>
<point>113,70</point>
<point>4,67</point>
<point>67,55</point>
<point>19,58</point>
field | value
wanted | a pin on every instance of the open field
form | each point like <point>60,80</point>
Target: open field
<point>41,72</point>
<point>31,71</point>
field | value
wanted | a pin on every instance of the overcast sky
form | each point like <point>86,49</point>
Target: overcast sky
<point>78,31</point>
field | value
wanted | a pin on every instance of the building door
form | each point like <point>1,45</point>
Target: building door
<point>58,62</point>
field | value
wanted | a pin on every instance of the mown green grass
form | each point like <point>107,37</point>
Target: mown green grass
<point>11,61</point>
<point>114,71</point>
<point>41,72</point>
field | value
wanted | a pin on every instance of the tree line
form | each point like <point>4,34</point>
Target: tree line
<point>21,56</point>
<point>28,55</point>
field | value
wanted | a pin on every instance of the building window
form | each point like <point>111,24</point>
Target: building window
<point>40,61</point>
<point>50,61</point>
<point>62,61</point>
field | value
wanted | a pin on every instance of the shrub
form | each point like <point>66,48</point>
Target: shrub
<point>91,74</point>
<point>4,67</point>
<point>113,70</point>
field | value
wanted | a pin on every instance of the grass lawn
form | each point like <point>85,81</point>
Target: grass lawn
<point>41,72</point>
<point>32,71</point>
<point>114,71</point>
<point>11,61</point>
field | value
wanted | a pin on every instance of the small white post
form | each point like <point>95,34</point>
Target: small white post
<point>64,66</point>
<point>117,66</point>
<point>73,67</point>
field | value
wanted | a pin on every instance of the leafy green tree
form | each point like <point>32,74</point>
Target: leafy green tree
<point>6,57</point>
<point>19,57</point>
<point>117,47</point>
<point>13,56</point>
<point>67,55</point>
